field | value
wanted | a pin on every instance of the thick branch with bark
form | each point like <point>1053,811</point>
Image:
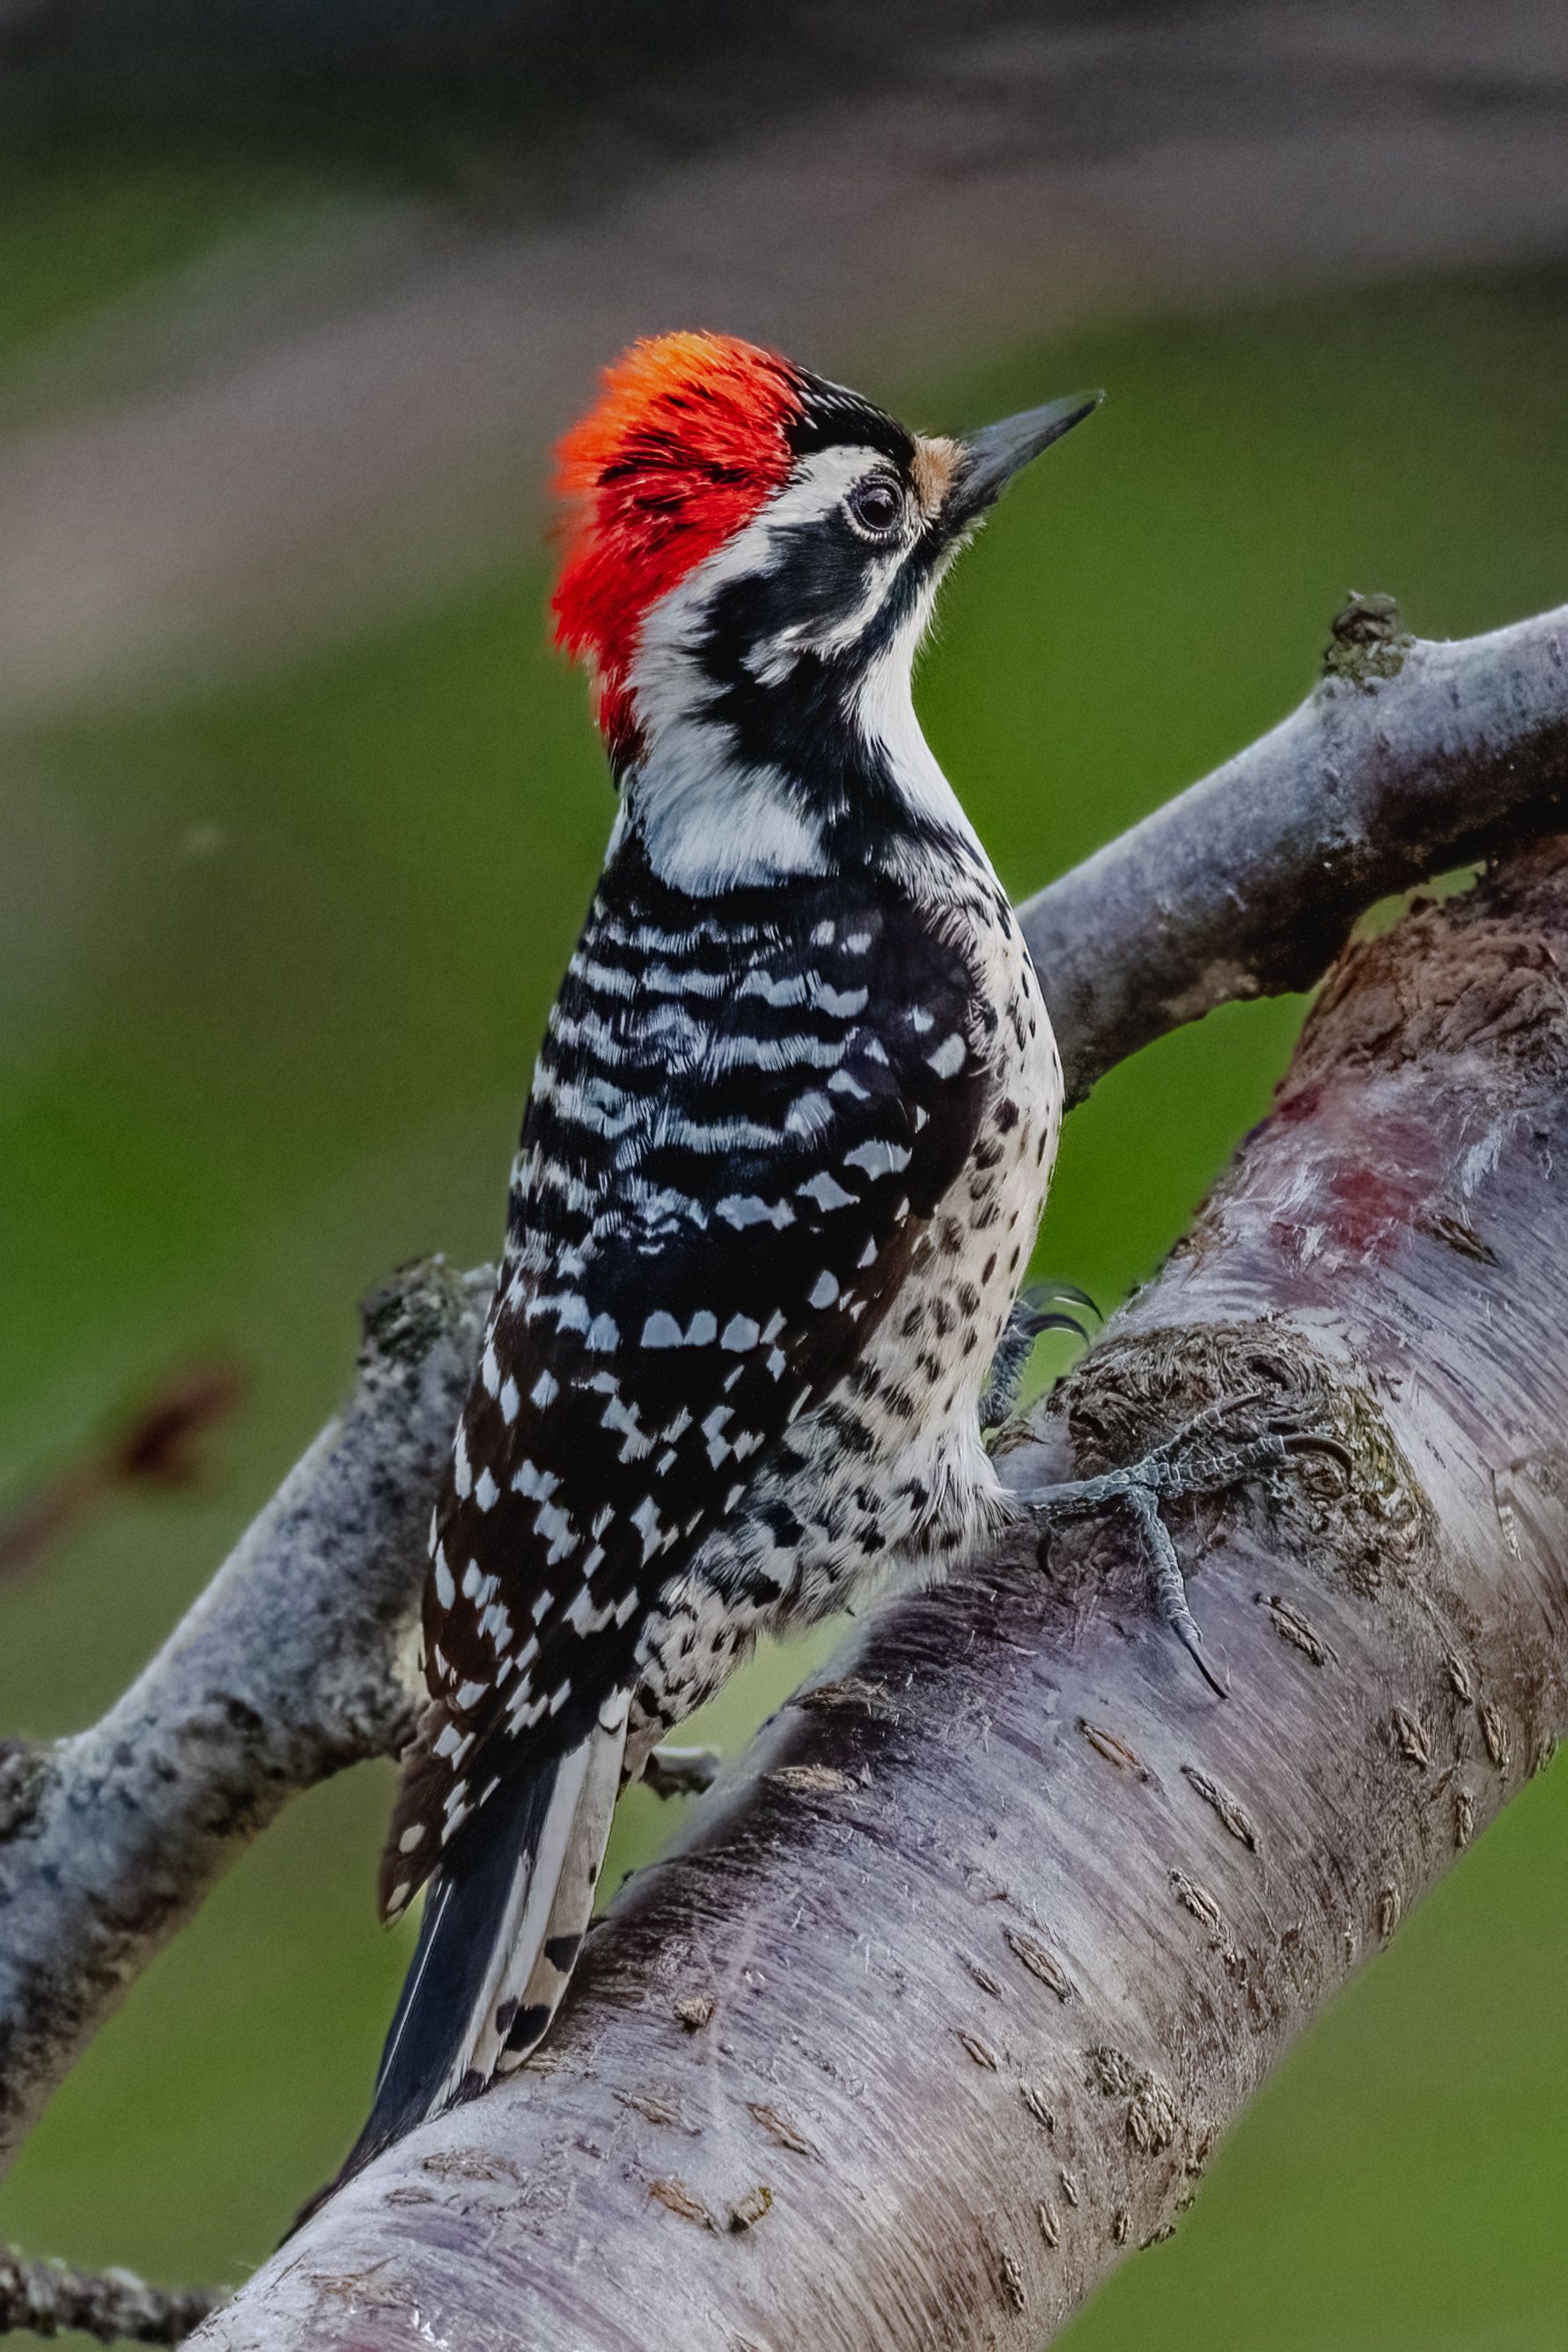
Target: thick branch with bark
<point>295,1662</point>
<point>942,2009</point>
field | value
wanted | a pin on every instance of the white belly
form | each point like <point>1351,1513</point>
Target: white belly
<point>942,1494</point>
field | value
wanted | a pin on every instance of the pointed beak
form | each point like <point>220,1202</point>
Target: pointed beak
<point>994,455</point>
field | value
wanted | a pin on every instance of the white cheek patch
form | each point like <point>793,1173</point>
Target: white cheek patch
<point>710,824</point>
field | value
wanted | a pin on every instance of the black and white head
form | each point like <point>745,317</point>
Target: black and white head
<point>752,557</point>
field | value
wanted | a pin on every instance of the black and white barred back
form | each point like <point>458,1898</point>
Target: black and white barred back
<point>778,1183</point>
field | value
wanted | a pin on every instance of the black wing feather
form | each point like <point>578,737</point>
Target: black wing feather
<point>745,1115</point>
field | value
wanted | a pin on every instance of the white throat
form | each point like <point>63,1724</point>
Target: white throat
<point>885,709</point>
<point>710,822</point>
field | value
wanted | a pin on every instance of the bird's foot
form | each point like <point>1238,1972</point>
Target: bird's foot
<point>1208,1455</point>
<point>1044,1306</point>
<point>680,1772</point>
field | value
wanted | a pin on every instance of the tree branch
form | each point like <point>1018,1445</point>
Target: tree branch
<point>115,2306</point>
<point>296,1661</point>
<point>943,2009</point>
<point>293,1662</point>
<point>1407,759</point>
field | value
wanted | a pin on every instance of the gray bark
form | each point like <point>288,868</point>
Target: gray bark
<point>1406,758</point>
<point>941,2009</point>
<point>113,2307</point>
<point>297,1659</point>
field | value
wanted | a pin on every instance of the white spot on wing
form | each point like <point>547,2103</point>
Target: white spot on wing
<point>827,1191</point>
<point>878,1159</point>
<point>743,1209</point>
<point>646,1520</point>
<point>809,1115</point>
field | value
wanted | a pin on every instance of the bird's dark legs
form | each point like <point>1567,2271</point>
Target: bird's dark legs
<point>1205,1456</point>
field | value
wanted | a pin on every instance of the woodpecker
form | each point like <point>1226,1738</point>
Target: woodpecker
<point>787,1146</point>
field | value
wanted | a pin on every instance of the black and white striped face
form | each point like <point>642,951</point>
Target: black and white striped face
<point>777,733</point>
<point>772,686</point>
<point>840,564</point>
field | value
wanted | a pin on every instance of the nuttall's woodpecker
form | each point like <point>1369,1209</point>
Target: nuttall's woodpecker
<point>789,1139</point>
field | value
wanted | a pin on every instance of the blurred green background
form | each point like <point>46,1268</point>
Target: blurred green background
<point>275,947</point>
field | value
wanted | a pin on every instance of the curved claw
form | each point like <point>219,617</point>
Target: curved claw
<point>680,1772</point>
<point>1037,1295</point>
<point>1311,1441</point>
<point>1209,1416</point>
<point>1170,1586</point>
<point>1191,1640</point>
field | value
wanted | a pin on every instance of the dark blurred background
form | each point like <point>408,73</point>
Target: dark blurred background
<point>298,816</point>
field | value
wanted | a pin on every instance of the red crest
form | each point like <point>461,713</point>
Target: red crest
<point>688,438</point>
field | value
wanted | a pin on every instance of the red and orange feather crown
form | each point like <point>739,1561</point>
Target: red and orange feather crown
<point>688,438</point>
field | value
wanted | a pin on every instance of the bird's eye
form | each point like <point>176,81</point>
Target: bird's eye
<point>875,505</point>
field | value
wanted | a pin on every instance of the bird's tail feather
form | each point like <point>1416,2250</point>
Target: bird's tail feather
<point>504,1918</point>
